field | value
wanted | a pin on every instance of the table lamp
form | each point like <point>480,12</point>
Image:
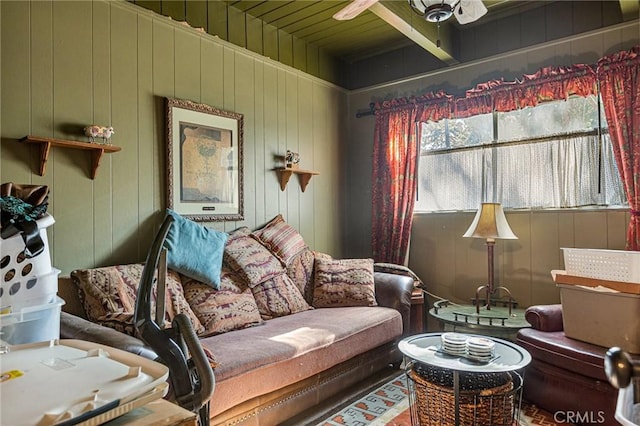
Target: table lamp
<point>491,224</point>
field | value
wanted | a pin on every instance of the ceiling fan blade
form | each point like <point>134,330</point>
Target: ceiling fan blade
<point>353,9</point>
<point>469,10</point>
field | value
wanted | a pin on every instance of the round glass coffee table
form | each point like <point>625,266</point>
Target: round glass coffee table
<point>424,352</point>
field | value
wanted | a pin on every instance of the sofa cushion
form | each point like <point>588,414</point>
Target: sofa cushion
<point>278,296</point>
<point>281,239</point>
<point>293,348</point>
<point>233,307</point>
<point>251,259</point>
<point>195,250</point>
<point>109,294</point>
<point>344,282</point>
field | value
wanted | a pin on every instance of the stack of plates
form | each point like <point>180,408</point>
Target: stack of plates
<point>454,343</point>
<point>480,349</point>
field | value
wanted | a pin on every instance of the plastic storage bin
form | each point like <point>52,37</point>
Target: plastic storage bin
<point>32,324</point>
<point>612,265</point>
<point>15,266</point>
<point>29,291</point>
<point>603,318</point>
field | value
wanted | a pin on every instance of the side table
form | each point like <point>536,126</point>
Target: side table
<point>425,349</point>
<point>417,312</point>
<point>498,322</point>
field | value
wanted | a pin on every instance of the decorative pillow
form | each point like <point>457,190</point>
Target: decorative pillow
<point>346,282</point>
<point>281,238</point>
<point>194,250</point>
<point>225,309</point>
<point>300,270</point>
<point>109,295</point>
<point>278,297</point>
<point>222,310</point>
<point>251,260</point>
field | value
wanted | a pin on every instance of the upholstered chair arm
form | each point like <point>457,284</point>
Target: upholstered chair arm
<point>545,317</point>
<point>74,327</point>
<point>394,291</point>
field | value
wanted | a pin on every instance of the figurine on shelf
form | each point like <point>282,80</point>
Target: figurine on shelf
<point>291,160</point>
<point>94,131</point>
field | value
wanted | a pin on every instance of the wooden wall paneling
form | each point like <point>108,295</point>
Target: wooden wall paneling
<point>285,48</point>
<point>470,260</point>
<point>514,258</point>
<point>586,50</point>
<point>17,162</point>
<point>270,41</point>
<point>101,99</point>
<point>306,140</point>
<point>566,234</point>
<point>282,133</point>
<point>196,14</point>
<point>236,27</point>
<point>212,71</point>
<point>593,226</point>
<point>163,87</point>
<point>72,107</point>
<point>187,65</point>
<point>218,24</point>
<point>544,256</point>
<point>41,90</point>
<point>229,104</point>
<point>312,59</point>
<point>326,66</point>
<point>244,104</point>
<point>155,5</point>
<point>292,137</point>
<point>617,224</point>
<point>531,23</point>
<point>299,54</point>
<point>125,196</point>
<point>149,160</point>
<point>254,35</point>
<point>175,9</point>
<point>262,163</point>
<point>559,18</point>
<point>335,150</point>
<point>587,16</point>
<point>272,145</point>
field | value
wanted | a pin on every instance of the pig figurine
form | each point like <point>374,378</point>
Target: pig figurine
<point>94,131</point>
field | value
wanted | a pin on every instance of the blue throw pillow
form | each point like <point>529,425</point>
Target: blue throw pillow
<point>195,250</point>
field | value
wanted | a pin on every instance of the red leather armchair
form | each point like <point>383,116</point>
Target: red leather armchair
<point>566,376</point>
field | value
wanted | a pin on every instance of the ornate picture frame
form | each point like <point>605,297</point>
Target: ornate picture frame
<point>204,161</point>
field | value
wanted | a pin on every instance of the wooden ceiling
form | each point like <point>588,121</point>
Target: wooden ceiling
<point>385,26</point>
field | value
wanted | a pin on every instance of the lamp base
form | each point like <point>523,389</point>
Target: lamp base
<point>489,300</point>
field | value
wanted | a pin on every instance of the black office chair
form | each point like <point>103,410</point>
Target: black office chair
<point>192,380</point>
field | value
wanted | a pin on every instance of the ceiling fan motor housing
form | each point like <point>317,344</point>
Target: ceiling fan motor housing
<point>438,12</point>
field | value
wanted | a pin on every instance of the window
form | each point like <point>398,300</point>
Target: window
<point>548,156</point>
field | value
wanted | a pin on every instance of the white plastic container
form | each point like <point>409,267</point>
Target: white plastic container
<point>29,291</point>
<point>14,266</point>
<point>627,413</point>
<point>32,324</point>
<point>611,265</point>
<point>603,318</point>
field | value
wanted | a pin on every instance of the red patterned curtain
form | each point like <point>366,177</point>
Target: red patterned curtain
<point>395,157</point>
<point>619,78</point>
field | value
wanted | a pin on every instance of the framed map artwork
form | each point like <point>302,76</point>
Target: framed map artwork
<point>204,161</point>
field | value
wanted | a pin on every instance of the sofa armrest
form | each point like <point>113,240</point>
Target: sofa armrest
<point>394,291</point>
<point>74,327</point>
<point>545,317</point>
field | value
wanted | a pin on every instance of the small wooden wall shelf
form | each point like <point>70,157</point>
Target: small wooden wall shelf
<point>304,175</point>
<point>46,143</point>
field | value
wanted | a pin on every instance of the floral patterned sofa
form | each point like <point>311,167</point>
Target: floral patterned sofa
<point>286,327</point>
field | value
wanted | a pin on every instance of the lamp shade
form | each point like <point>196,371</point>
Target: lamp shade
<point>490,223</point>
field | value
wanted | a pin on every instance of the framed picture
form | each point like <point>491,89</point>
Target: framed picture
<point>204,161</point>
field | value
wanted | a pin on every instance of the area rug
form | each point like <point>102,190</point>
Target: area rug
<point>388,405</point>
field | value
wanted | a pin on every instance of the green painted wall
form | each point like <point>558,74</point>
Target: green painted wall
<point>220,19</point>
<point>65,65</point>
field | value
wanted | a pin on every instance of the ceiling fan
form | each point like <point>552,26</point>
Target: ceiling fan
<point>436,11</point>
